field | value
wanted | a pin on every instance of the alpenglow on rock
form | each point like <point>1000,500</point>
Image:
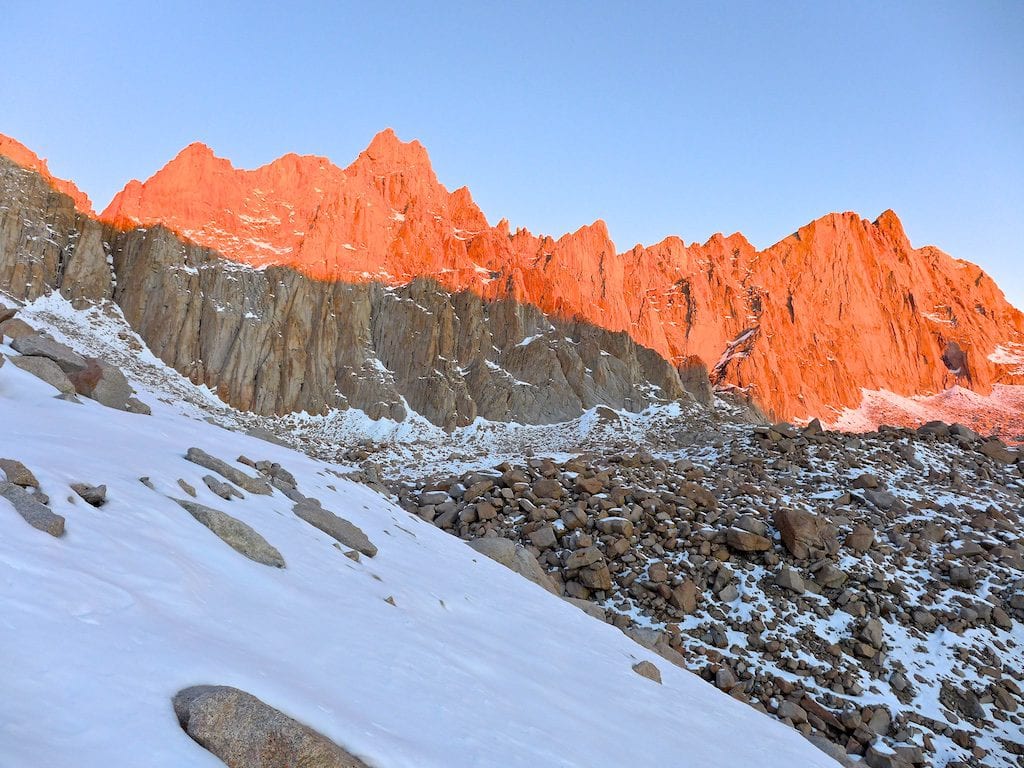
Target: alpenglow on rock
<point>384,291</point>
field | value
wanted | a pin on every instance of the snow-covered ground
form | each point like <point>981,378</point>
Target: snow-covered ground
<point>471,666</point>
<point>1001,412</point>
<point>411,448</point>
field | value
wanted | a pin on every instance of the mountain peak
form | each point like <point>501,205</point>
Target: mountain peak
<point>26,158</point>
<point>388,150</point>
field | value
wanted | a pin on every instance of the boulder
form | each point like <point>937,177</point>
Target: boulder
<point>245,732</point>
<point>134,405</point>
<point>220,488</point>
<point>745,541</point>
<point>336,527</point>
<point>102,382</point>
<point>997,451</point>
<point>805,534</point>
<point>34,513</point>
<point>18,474</point>
<point>44,368</point>
<point>548,488</point>
<point>15,328</point>
<point>860,538</point>
<point>251,484</point>
<point>589,608</point>
<point>236,534</point>
<point>791,580</point>
<point>41,345</point>
<point>515,558</point>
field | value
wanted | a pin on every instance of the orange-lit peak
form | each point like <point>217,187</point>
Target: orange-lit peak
<point>26,158</point>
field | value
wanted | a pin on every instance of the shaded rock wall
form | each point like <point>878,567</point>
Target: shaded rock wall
<point>274,340</point>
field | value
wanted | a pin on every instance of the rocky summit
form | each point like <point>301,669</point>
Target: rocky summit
<point>312,465</point>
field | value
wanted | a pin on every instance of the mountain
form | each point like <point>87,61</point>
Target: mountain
<point>452,318</point>
<point>275,340</point>
<point>840,306</point>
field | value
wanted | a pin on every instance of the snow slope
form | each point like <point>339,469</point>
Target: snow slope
<point>472,665</point>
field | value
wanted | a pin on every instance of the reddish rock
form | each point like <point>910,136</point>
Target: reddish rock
<point>26,158</point>
<point>842,305</point>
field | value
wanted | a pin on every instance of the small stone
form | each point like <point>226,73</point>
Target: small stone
<point>648,670</point>
<point>791,580</point>
<point>92,494</point>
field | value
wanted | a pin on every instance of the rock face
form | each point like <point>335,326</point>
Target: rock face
<point>857,305</point>
<point>507,325</point>
<point>245,732</point>
<point>276,340</point>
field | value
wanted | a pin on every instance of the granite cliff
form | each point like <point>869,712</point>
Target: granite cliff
<point>301,285</point>
<point>276,340</point>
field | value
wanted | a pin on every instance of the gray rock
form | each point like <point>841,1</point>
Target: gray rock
<point>831,749</point>
<point>92,494</point>
<point>41,345</point>
<point>515,558</point>
<point>236,534</point>
<point>434,497</point>
<point>225,490</point>
<point>251,484</point>
<point>884,500</point>
<point>134,405</point>
<point>656,640</point>
<point>791,580</point>
<point>44,368</point>
<point>244,732</point>
<point>266,436</point>
<point>32,511</point>
<point>336,527</point>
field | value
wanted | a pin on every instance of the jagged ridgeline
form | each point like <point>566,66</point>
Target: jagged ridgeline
<point>301,285</point>
<point>274,340</point>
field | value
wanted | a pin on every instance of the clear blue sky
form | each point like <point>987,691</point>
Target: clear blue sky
<point>661,118</point>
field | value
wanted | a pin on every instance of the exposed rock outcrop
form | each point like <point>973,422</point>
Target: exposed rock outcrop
<point>841,305</point>
<point>276,340</point>
<point>233,532</point>
<point>32,510</point>
<point>383,290</point>
<point>245,732</point>
<point>338,528</point>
